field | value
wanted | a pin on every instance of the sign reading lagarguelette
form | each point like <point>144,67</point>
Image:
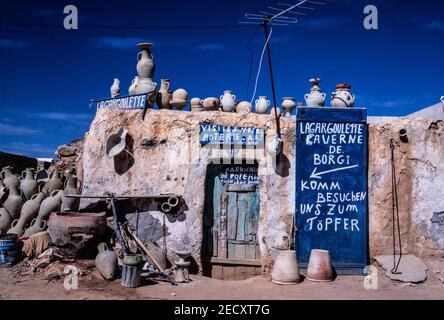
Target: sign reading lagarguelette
<point>240,174</point>
<point>227,135</point>
<point>128,102</point>
<point>331,185</point>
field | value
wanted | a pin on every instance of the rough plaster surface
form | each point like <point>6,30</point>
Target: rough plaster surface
<point>411,269</point>
<point>168,158</point>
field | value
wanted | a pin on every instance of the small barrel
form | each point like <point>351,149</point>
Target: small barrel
<point>8,249</point>
<point>131,270</point>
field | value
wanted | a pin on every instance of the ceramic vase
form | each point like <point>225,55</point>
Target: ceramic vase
<point>54,183</point>
<point>37,225</point>
<point>106,262</point>
<point>289,104</point>
<point>319,266</point>
<point>70,204</point>
<point>342,97</point>
<point>5,220</point>
<point>28,184</point>
<point>196,105</point>
<point>228,101</point>
<point>274,146</point>
<point>29,211</point>
<point>145,63</point>
<point>115,88</point>
<point>165,94</point>
<point>262,105</point>
<point>315,98</point>
<point>211,104</point>
<point>9,178</point>
<point>244,107</point>
<point>146,86</point>
<point>133,86</point>
<point>179,99</point>
<point>285,269</point>
<point>14,202</point>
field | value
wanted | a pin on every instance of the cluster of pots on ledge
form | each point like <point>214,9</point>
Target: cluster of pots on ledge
<point>165,98</point>
<point>28,201</point>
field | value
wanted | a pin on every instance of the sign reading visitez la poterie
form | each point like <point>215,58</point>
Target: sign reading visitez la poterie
<point>226,135</point>
<point>128,102</point>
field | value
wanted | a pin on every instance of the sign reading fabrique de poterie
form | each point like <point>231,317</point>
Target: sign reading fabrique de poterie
<point>227,135</point>
<point>128,103</point>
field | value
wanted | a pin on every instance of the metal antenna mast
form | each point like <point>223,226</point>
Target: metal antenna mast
<point>281,17</point>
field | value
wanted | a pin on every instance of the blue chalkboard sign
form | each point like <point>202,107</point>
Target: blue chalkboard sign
<point>213,134</point>
<point>331,186</point>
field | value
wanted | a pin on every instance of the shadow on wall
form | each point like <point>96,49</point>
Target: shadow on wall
<point>282,166</point>
<point>125,160</point>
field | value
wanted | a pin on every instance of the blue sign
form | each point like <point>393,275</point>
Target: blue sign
<point>240,174</point>
<point>216,135</point>
<point>126,103</point>
<point>331,186</point>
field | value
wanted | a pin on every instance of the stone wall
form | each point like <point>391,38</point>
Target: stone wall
<point>165,156</point>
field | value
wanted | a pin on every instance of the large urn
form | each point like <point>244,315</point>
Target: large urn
<point>342,97</point>
<point>285,268</point>
<point>9,178</point>
<point>315,98</point>
<point>165,94</point>
<point>145,64</point>
<point>28,184</point>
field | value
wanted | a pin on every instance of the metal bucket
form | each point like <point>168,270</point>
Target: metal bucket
<point>8,249</point>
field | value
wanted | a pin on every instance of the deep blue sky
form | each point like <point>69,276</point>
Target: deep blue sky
<point>48,74</point>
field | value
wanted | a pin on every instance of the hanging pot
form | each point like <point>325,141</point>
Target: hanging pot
<point>285,268</point>
<point>319,266</point>
<point>28,184</point>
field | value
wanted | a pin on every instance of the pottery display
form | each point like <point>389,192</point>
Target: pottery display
<point>50,204</point>
<point>54,183</point>
<point>70,204</point>
<point>319,266</point>
<point>274,111</point>
<point>146,86</point>
<point>228,101</point>
<point>145,64</point>
<point>14,202</point>
<point>262,105</point>
<point>62,226</point>
<point>165,94</point>
<point>29,211</point>
<point>289,104</point>
<point>196,105</point>
<point>211,104</point>
<point>106,262</point>
<point>342,98</point>
<point>5,220</point>
<point>133,86</point>
<point>37,225</point>
<point>9,178</point>
<point>285,269</point>
<point>244,107</point>
<point>315,98</point>
<point>115,88</point>
<point>28,184</point>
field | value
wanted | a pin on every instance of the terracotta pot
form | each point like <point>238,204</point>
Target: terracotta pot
<point>228,101</point>
<point>37,225</point>
<point>342,98</point>
<point>106,262</point>
<point>28,184</point>
<point>9,178</point>
<point>319,266</point>
<point>54,183</point>
<point>61,226</point>
<point>29,211</point>
<point>14,202</point>
<point>196,105</point>
<point>262,105</point>
<point>285,268</point>
<point>50,204</point>
<point>5,220</point>
<point>165,94</point>
<point>211,104</point>
<point>289,104</point>
<point>70,204</point>
<point>244,107</point>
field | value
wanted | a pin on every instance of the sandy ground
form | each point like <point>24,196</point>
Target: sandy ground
<point>93,287</point>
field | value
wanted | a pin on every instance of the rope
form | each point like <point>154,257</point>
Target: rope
<point>260,65</point>
<point>395,209</point>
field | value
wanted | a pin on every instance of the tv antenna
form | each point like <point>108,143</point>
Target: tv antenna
<point>282,15</point>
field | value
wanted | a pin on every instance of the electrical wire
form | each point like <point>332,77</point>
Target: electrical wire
<point>251,59</point>
<point>260,64</point>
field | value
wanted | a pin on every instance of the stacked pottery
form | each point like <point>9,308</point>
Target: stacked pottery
<point>29,211</point>
<point>319,266</point>
<point>285,268</point>
<point>145,69</point>
<point>54,183</point>
<point>342,98</point>
<point>28,184</point>
<point>211,104</point>
<point>70,204</point>
<point>244,107</point>
<point>49,205</point>
<point>289,104</point>
<point>9,178</point>
<point>196,105</point>
<point>315,98</point>
<point>262,105</point>
<point>165,94</point>
<point>228,101</point>
<point>5,220</point>
<point>14,202</point>
<point>133,86</point>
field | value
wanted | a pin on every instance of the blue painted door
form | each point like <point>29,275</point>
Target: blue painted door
<point>331,186</point>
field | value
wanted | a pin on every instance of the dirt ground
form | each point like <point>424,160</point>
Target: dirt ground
<point>92,287</point>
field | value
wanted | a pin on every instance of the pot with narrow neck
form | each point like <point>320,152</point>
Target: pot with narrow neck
<point>9,178</point>
<point>342,97</point>
<point>54,183</point>
<point>70,204</point>
<point>28,184</point>
<point>14,202</point>
<point>262,105</point>
<point>228,101</point>
<point>29,211</point>
<point>315,98</point>
<point>145,64</point>
<point>165,94</point>
<point>133,87</point>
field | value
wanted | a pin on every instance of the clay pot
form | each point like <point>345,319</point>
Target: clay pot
<point>262,105</point>
<point>115,88</point>
<point>285,268</point>
<point>211,104</point>
<point>228,101</point>
<point>14,202</point>
<point>274,146</point>
<point>5,220</point>
<point>165,94</point>
<point>342,98</point>
<point>50,204</point>
<point>289,104</point>
<point>319,266</point>
<point>315,98</point>
<point>29,211</point>
<point>146,86</point>
<point>37,225</point>
<point>106,262</point>
<point>196,105</point>
<point>244,107</point>
<point>179,99</point>
<point>70,204</point>
<point>9,178</point>
<point>28,184</point>
<point>145,63</point>
<point>133,86</point>
<point>62,226</point>
<point>54,183</point>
